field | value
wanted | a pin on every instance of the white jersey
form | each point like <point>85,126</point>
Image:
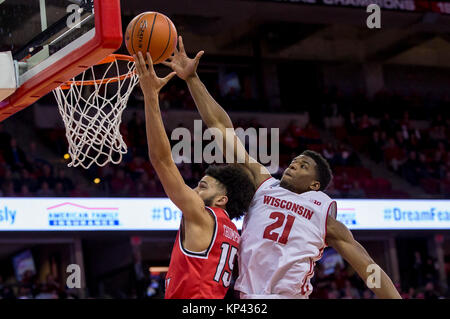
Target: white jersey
<point>283,235</point>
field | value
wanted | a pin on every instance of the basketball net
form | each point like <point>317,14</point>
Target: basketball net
<point>92,111</point>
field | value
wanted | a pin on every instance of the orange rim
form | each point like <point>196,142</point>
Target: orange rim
<point>109,59</point>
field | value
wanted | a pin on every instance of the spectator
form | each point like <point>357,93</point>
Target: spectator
<point>445,185</point>
<point>438,134</point>
<point>346,184</point>
<point>332,191</point>
<point>59,190</point>
<point>46,293</point>
<point>52,283</point>
<point>329,153</point>
<point>25,192</point>
<point>8,189</point>
<point>15,156</point>
<point>121,183</point>
<point>321,282</point>
<point>34,155</point>
<point>24,293</point>
<point>346,157</point>
<point>387,124</point>
<point>356,191</point>
<point>410,169</point>
<point>393,155</point>
<point>368,294</point>
<point>430,292</point>
<point>45,190</point>
<point>350,292</point>
<point>47,176</point>
<point>64,180</point>
<point>411,293</point>
<point>288,142</point>
<point>375,147</point>
<point>5,138</point>
<point>340,277</point>
<point>364,125</point>
<point>28,179</point>
<point>351,124</point>
<point>417,271</point>
<point>424,169</point>
<point>420,295</point>
<point>7,293</point>
<point>334,293</point>
<point>430,270</point>
<point>294,128</point>
<point>80,189</point>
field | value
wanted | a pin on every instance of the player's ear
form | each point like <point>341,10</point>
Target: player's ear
<point>222,200</point>
<point>315,186</point>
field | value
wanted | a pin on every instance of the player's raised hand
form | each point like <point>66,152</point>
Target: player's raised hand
<point>179,62</point>
<point>149,81</point>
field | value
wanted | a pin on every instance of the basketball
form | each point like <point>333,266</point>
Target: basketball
<point>151,32</point>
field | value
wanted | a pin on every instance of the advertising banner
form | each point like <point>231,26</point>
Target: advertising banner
<point>109,214</point>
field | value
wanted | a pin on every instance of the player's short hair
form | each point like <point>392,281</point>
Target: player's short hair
<point>323,169</point>
<point>238,186</point>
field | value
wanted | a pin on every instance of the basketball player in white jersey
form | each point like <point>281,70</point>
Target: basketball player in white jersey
<point>290,221</point>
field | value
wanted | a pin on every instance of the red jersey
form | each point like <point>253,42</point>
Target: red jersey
<point>204,275</point>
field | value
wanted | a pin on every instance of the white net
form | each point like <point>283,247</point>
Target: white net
<point>92,112</point>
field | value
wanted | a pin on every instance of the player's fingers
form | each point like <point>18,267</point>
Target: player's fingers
<point>167,78</point>
<point>199,55</point>
<point>141,62</point>
<point>149,60</point>
<point>137,64</point>
<point>181,44</point>
<point>150,64</point>
<point>168,63</point>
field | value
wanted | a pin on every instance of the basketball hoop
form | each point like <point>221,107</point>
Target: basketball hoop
<point>91,108</point>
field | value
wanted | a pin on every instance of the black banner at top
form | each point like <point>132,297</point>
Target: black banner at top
<point>442,7</point>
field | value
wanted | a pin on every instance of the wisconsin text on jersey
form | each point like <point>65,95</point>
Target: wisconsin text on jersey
<point>293,207</point>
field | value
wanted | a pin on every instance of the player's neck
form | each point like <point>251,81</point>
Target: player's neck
<point>290,188</point>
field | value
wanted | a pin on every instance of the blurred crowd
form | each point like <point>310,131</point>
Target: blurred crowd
<point>27,174</point>
<point>29,287</point>
<point>344,283</point>
<point>416,152</point>
<point>410,140</point>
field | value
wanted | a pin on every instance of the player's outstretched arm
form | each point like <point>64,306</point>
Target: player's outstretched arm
<point>212,113</point>
<point>185,198</point>
<point>341,239</point>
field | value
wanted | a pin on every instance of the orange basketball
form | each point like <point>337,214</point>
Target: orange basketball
<point>151,32</point>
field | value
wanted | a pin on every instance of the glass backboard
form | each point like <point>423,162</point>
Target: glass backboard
<point>54,40</point>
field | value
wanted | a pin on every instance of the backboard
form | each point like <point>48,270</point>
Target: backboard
<point>54,40</point>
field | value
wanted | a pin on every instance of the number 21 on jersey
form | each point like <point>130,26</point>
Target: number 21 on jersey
<point>270,233</point>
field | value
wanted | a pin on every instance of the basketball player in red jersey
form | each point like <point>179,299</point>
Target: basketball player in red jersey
<point>290,221</point>
<point>207,242</point>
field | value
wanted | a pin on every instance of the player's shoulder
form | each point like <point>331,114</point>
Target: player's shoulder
<point>220,214</point>
<point>216,211</point>
<point>318,197</point>
<point>269,182</point>
<point>317,194</point>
